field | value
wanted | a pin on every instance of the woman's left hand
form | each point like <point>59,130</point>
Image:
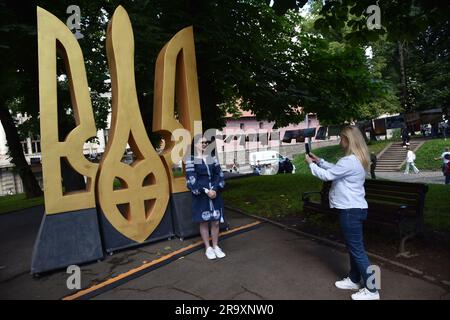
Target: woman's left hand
<point>212,194</point>
<point>308,159</point>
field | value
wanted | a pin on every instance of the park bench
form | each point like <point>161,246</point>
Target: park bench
<point>393,204</point>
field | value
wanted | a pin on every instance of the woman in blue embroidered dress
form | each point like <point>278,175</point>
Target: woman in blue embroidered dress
<point>205,180</point>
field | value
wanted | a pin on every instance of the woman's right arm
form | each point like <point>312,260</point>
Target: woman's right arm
<point>340,170</point>
<point>325,164</point>
<point>321,162</point>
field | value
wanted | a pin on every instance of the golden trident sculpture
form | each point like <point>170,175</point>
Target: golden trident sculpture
<point>148,181</point>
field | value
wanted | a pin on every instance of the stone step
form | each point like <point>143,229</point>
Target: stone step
<point>388,166</point>
<point>395,152</point>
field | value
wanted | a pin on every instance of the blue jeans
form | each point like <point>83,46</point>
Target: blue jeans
<point>447,178</point>
<point>351,221</point>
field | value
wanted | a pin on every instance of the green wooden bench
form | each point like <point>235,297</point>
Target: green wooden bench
<point>398,205</point>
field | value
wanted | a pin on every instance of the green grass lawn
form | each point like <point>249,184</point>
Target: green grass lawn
<point>437,210</point>
<point>280,195</point>
<point>428,151</point>
<point>333,153</point>
<point>18,202</point>
<point>270,196</point>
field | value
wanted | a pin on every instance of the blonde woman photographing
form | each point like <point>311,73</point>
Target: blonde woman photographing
<point>347,196</point>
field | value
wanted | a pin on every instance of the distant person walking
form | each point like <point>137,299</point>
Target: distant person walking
<point>405,136</point>
<point>447,169</point>
<point>373,164</point>
<point>235,167</point>
<point>410,158</point>
<point>444,160</point>
<point>347,196</point>
<point>444,127</point>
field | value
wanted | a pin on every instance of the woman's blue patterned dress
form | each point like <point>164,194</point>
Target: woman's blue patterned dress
<point>200,174</point>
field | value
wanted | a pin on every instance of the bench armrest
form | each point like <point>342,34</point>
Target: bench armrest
<point>306,195</point>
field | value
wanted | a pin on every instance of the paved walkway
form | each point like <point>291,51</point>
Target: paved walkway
<point>264,263</point>
<point>435,177</point>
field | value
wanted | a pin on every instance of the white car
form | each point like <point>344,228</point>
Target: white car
<point>269,162</point>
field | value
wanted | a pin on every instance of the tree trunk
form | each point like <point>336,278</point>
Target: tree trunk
<point>29,181</point>
<point>403,80</point>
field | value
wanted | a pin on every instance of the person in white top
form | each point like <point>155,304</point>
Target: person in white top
<point>347,196</point>
<point>410,158</point>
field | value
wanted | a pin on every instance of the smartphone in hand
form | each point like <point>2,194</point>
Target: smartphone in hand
<point>307,151</point>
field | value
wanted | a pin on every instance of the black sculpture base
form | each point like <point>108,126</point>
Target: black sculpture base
<point>68,238</point>
<point>115,241</point>
<point>181,204</point>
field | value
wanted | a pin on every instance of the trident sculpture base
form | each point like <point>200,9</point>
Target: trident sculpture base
<point>115,241</point>
<point>72,231</point>
<point>69,238</point>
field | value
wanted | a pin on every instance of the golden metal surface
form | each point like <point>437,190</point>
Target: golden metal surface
<point>53,34</point>
<point>176,77</point>
<point>146,178</point>
<point>147,182</point>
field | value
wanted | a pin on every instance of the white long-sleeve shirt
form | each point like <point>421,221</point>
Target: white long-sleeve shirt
<point>348,176</point>
<point>410,156</point>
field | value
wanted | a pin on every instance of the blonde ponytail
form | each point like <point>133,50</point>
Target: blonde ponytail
<point>356,145</point>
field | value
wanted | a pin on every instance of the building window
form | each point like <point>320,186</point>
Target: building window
<point>241,126</point>
<point>24,147</point>
<point>261,125</point>
<point>36,146</point>
<point>106,133</point>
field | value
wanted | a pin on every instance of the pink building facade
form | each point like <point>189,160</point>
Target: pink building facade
<point>247,134</point>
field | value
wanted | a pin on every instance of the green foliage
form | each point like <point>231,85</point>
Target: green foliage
<point>280,195</point>
<point>413,41</point>
<point>270,58</point>
<point>400,20</point>
<point>19,68</point>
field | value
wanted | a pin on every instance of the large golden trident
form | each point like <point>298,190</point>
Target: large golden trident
<point>148,181</point>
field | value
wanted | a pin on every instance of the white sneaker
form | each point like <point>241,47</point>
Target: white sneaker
<point>210,253</point>
<point>365,294</point>
<point>219,253</point>
<point>347,284</point>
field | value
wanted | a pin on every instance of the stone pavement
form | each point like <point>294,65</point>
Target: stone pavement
<point>264,263</point>
<point>435,177</point>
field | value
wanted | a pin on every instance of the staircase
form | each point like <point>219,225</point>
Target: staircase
<point>392,158</point>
